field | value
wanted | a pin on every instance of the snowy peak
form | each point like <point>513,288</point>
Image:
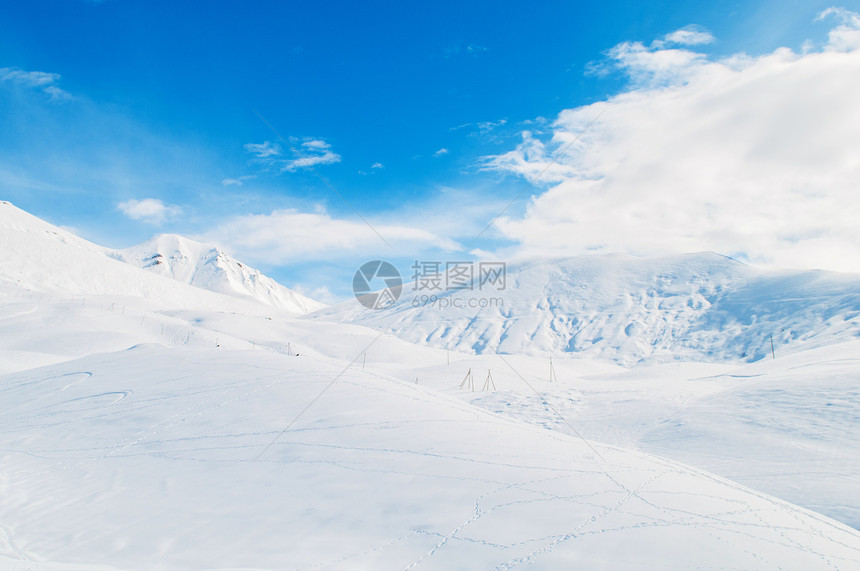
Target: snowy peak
<point>205,266</point>
<point>181,259</point>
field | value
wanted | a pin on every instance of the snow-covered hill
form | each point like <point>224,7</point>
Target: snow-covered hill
<point>691,307</point>
<point>205,266</point>
<point>41,257</point>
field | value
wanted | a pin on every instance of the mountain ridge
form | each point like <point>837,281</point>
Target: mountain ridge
<point>703,306</point>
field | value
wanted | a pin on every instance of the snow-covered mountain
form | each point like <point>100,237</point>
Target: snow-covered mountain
<point>205,266</point>
<point>690,307</point>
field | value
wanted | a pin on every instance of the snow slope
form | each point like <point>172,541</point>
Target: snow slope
<point>690,307</point>
<point>192,458</point>
<point>789,426</point>
<point>795,421</point>
<point>205,266</point>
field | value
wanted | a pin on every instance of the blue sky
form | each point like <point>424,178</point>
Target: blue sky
<point>124,119</point>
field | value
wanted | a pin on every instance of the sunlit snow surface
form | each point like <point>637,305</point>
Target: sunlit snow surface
<point>146,458</point>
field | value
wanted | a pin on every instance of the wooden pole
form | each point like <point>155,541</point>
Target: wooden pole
<point>468,379</point>
<point>489,382</point>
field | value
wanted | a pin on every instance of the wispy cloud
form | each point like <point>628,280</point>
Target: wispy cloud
<point>303,153</point>
<point>40,80</point>
<point>264,150</point>
<point>488,131</point>
<point>754,157</point>
<point>377,166</point>
<point>687,36</point>
<point>440,152</point>
<point>481,127</point>
<point>485,127</point>
<point>149,210</point>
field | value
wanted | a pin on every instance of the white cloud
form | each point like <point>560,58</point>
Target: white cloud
<point>287,236</point>
<point>311,153</point>
<point>649,67</point>
<point>28,78</point>
<point>307,153</point>
<point>440,152</point>
<point>264,150</point>
<point>687,36</point>
<point>533,161</point>
<point>377,166</point>
<point>846,36</point>
<point>483,129</point>
<point>663,63</point>
<point>487,126</point>
<point>751,157</point>
<point>46,82</point>
<point>149,210</point>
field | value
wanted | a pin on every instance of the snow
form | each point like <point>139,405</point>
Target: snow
<point>148,458</point>
<point>702,307</point>
<point>207,267</point>
<point>149,424</point>
<point>789,427</point>
<point>42,258</point>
